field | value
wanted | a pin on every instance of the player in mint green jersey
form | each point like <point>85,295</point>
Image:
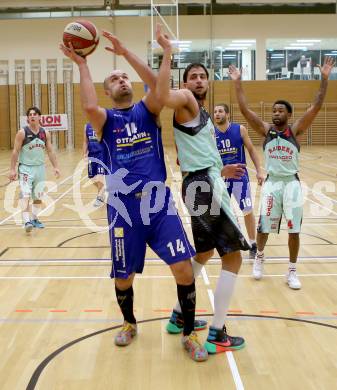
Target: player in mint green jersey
<point>205,194</point>
<point>281,193</point>
<point>30,145</point>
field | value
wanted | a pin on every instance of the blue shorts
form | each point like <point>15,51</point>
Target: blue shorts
<point>95,167</point>
<point>157,225</point>
<point>241,192</point>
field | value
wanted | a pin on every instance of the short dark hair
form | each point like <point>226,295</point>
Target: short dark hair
<point>285,103</point>
<point>36,109</point>
<point>192,66</point>
<point>224,105</point>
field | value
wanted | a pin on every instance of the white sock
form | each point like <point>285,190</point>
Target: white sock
<point>252,241</point>
<point>222,296</point>
<point>292,266</point>
<point>25,216</point>
<point>35,210</point>
<point>197,267</point>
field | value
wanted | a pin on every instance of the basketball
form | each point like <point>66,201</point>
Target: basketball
<point>83,35</point>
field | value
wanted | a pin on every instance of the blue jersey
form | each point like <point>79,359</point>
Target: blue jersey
<point>132,141</point>
<point>94,146</point>
<point>230,145</point>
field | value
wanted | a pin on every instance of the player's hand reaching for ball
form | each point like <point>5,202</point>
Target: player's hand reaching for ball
<point>117,47</point>
<point>70,53</point>
<point>162,39</point>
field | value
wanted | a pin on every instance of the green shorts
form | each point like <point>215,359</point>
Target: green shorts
<point>32,181</point>
<point>281,195</point>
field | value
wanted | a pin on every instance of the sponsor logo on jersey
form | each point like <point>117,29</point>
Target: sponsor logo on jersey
<point>119,232</point>
<point>269,205</point>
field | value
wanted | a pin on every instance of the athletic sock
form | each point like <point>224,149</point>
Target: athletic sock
<point>222,295</point>
<point>186,297</point>
<point>25,216</point>
<point>197,267</point>
<point>35,211</point>
<point>292,266</point>
<point>125,302</point>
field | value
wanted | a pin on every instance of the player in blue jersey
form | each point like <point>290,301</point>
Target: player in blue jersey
<point>281,193</point>
<point>93,151</point>
<point>140,206</point>
<point>214,225</point>
<point>29,149</point>
<point>231,140</point>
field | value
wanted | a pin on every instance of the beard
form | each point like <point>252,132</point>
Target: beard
<point>200,96</point>
<point>123,96</point>
<point>278,122</point>
<point>220,121</point>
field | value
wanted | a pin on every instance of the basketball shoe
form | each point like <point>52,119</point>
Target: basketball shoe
<point>194,348</point>
<point>28,227</point>
<point>176,323</point>
<point>219,341</point>
<point>292,279</point>
<point>258,266</point>
<point>126,334</point>
<point>37,224</point>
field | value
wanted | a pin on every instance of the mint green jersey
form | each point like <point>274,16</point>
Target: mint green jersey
<point>33,147</point>
<point>281,153</point>
<point>196,145</point>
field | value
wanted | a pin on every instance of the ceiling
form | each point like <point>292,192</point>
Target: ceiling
<point>101,4</point>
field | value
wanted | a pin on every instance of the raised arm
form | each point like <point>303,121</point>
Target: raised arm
<point>85,143</point>
<point>253,154</point>
<point>96,114</point>
<point>20,136</point>
<point>142,69</point>
<point>254,121</point>
<point>175,99</point>
<point>52,155</point>
<point>303,123</point>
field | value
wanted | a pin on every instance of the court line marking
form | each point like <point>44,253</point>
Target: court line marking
<point>40,368</point>
<point>283,226</point>
<point>230,358</point>
<point>65,277</point>
<point>55,186</point>
<point>107,260</point>
<point>117,320</point>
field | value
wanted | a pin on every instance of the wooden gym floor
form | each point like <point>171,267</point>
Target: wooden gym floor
<point>58,313</point>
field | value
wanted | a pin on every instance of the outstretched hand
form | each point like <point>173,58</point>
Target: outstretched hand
<point>234,72</point>
<point>70,53</point>
<point>327,66</point>
<point>162,39</point>
<point>117,47</point>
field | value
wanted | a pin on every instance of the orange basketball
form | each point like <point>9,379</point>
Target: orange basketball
<point>83,36</point>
